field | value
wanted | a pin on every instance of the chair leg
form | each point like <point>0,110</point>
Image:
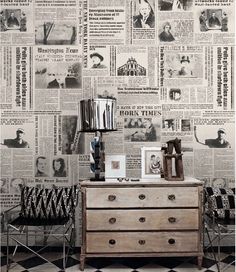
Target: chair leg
<point>26,239</point>
<point>72,239</point>
<point>8,265</point>
<point>210,244</point>
<point>44,236</point>
<point>216,258</point>
<point>218,247</point>
<point>64,249</point>
<point>14,252</point>
<point>27,235</point>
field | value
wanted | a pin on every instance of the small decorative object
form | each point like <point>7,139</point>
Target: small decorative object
<point>115,166</point>
<point>151,162</point>
<point>97,115</point>
<point>178,162</point>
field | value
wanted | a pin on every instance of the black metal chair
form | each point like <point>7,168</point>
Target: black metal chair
<point>219,220</point>
<point>45,213</point>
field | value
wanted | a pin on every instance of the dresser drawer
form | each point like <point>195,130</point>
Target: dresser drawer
<point>116,242</point>
<point>141,197</point>
<point>168,219</point>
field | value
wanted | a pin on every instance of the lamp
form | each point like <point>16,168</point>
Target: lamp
<point>97,115</point>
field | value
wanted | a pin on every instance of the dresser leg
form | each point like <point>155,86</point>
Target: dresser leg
<point>82,262</point>
<point>199,262</point>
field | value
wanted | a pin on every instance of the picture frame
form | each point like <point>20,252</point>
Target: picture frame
<point>115,166</point>
<point>151,162</point>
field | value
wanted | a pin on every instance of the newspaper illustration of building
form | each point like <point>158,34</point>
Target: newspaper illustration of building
<point>131,68</point>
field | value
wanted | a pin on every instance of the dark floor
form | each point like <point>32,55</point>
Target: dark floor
<point>24,262</point>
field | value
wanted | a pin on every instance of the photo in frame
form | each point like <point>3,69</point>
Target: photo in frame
<point>151,162</point>
<point>115,166</point>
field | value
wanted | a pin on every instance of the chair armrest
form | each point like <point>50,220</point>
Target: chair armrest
<point>8,210</point>
<point>8,215</point>
<point>210,219</point>
<point>216,224</point>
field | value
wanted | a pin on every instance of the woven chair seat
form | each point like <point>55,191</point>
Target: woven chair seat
<point>20,221</point>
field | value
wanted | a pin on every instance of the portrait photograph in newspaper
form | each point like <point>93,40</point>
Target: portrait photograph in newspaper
<point>59,167</point>
<point>17,134</point>
<point>144,14</point>
<point>99,57</point>
<point>42,166</point>
<point>214,135</point>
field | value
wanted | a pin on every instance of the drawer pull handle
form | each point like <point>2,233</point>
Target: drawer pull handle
<point>112,220</point>
<point>111,197</point>
<point>142,196</point>
<point>171,241</point>
<point>142,219</point>
<point>171,197</point>
<point>172,219</point>
<point>112,242</point>
<point>141,242</point>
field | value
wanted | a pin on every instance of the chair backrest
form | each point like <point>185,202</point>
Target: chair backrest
<point>45,203</point>
<point>220,202</point>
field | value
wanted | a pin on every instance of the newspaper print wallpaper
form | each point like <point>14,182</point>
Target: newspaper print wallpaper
<point>168,63</point>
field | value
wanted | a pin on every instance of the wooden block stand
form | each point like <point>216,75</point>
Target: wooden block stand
<point>167,166</point>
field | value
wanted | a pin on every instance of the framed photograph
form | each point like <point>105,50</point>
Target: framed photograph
<point>115,166</point>
<point>151,162</point>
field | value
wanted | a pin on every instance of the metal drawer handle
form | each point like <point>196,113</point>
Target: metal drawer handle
<point>141,242</point>
<point>142,196</point>
<point>111,197</point>
<point>112,242</point>
<point>171,197</point>
<point>112,220</point>
<point>171,241</point>
<point>142,219</point>
<point>172,219</point>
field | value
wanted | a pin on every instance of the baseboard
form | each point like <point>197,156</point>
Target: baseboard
<point>226,249</point>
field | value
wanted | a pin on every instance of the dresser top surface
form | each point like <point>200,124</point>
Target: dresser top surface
<point>159,182</point>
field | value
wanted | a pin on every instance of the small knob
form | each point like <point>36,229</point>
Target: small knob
<point>142,196</point>
<point>112,241</point>
<point>141,242</point>
<point>172,219</point>
<point>171,197</point>
<point>111,197</point>
<point>112,220</point>
<point>171,241</point>
<point>142,219</point>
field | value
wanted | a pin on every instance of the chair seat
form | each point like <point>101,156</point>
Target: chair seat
<point>20,221</point>
<point>226,221</point>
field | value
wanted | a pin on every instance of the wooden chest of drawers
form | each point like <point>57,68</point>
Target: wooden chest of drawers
<point>141,219</point>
